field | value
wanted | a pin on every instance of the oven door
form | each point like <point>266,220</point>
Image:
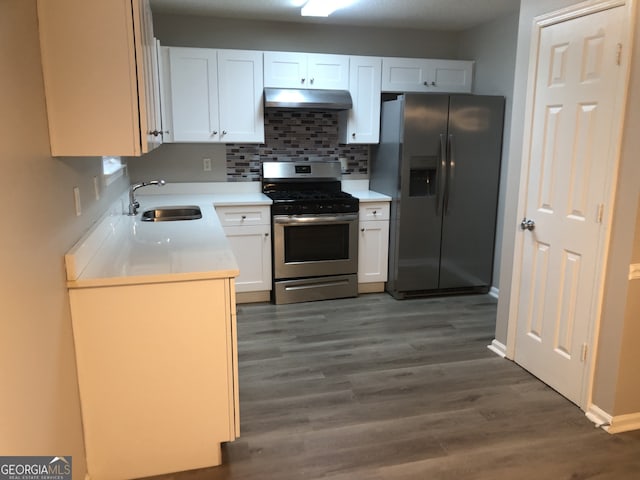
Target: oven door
<point>315,245</point>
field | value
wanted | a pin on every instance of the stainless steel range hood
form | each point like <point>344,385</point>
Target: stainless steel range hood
<point>307,99</point>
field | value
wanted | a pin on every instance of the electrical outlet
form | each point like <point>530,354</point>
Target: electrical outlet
<point>76,200</point>
<point>206,164</point>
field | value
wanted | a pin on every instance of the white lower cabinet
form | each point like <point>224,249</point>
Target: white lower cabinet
<point>157,374</point>
<point>373,246</point>
<point>248,229</point>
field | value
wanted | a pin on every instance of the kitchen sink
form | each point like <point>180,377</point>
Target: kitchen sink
<point>171,214</point>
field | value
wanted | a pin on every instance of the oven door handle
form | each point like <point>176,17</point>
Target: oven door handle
<point>307,219</point>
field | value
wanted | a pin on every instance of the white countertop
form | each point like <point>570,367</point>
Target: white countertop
<point>123,250</point>
<point>128,251</point>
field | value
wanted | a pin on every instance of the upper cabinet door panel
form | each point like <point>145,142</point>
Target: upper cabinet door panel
<point>194,94</point>
<point>361,124</point>
<point>454,76</point>
<point>240,90</point>
<point>405,75</point>
<point>306,70</point>
<point>329,72</point>
<point>148,87</point>
<point>285,69</point>
<point>426,75</point>
<point>89,53</point>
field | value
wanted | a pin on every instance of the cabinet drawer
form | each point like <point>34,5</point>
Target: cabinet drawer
<point>243,215</point>
<point>374,211</point>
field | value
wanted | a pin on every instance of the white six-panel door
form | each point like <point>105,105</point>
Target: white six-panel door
<point>568,158</point>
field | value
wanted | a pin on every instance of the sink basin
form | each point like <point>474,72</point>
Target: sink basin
<point>171,214</point>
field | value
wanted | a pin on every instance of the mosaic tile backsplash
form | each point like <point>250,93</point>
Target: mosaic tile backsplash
<point>295,135</point>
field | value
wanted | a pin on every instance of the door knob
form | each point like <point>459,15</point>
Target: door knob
<point>527,224</point>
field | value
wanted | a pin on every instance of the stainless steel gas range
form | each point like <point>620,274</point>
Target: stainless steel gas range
<point>315,231</point>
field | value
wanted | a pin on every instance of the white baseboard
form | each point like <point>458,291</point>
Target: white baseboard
<point>598,416</point>
<point>498,348</point>
<point>613,424</point>
<point>494,292</point>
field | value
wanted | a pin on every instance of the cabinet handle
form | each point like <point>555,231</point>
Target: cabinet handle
<point>311,80</point>
<point>155,133</point>
<point>224,132</point>
<point>426,84</point>
<point>353,135</point>
<point>302,80</point>
<point>243,217</point>
<point>433,83</point>
<point>167,132</point>
<point>266,234</point>
<point>215,132</point>
<point>362,229</point>
<point>375,212</point>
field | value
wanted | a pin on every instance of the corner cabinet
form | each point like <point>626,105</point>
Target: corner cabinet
<point>373,246</point>
<point>248,229</point>
<point>361,124</point>
<point>215,95</point>
<point>100,77</point>
<point>426,75</point>
<point>306,70</point>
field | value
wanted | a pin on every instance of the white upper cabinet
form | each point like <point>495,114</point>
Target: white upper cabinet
<point>361,124</point>
<point>97,63</point>
<point>165,94</point>
<point>194,94</point>
<point>240,91</point>
<point>216,95</point>
<point>426,75</point>
<point>306,70</point>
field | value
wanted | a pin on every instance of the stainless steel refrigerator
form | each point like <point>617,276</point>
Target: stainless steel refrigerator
<point>439,160</point>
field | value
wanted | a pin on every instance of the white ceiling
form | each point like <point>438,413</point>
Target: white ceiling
<point>419,14</point>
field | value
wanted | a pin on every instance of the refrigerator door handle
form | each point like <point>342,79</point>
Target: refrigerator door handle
<point>450,174</point>
<point>441,171</point>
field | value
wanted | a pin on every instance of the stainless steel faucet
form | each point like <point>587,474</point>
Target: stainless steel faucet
<point>133,203</point>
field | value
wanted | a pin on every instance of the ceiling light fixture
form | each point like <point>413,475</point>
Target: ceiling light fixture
<point>322,8</point>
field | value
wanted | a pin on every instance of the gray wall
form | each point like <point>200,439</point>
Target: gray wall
<point>615,385</point>
<point>180,162</point>
<point>39,402</point>
<point>212,32</point>
<point>493,47</point>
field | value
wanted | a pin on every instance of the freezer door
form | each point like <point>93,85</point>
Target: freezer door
<point>471,197</point>
<point>422,183</point>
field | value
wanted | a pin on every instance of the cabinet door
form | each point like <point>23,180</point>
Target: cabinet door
<point>148,88</point>
<point>285,70</point>
<point>363,120</point>
<point>93,62</point>
<point>453,76</point>
<point>251,245</point>
<point>165,95</point>
<point>240,90</point>
<point>406,75</point>
<point>329,72</point>
<point>194,94</point>
<point>373,251</point>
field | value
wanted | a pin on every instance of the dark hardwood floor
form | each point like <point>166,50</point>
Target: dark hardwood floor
<point>374,388</point>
